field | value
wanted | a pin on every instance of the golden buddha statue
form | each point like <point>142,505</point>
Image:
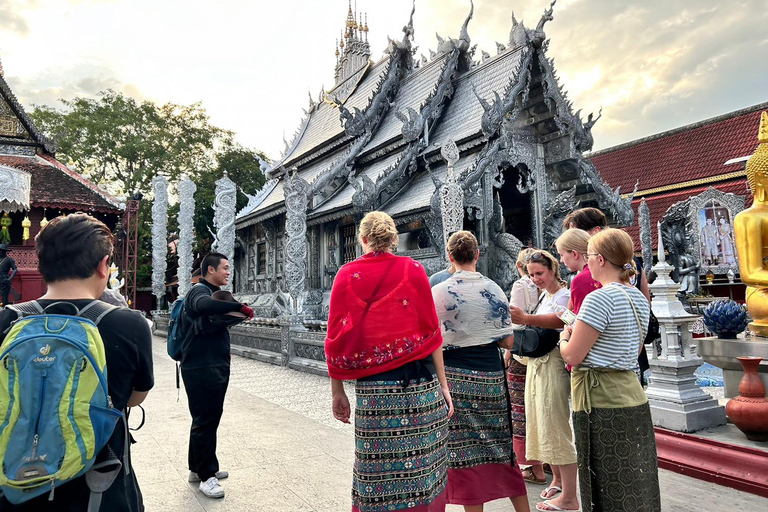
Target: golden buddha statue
<point>751,230</point>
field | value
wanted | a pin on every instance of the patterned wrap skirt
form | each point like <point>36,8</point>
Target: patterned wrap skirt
<point>481,461</point>
<point>615,442</point>
<point>400,456</point>
<point>516,382</point>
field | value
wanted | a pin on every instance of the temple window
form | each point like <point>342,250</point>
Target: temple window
<point>261,255</point>
<point>349,242</point>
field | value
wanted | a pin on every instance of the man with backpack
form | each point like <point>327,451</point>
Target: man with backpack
<point>205,359</point>
<point>90,361</point>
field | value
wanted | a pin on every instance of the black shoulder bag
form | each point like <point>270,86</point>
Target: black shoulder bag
<point>535,341</point>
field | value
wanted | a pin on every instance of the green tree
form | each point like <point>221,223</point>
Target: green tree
<point>122,144</point>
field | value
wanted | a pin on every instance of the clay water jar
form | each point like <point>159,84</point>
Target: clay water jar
<point>749,410</point>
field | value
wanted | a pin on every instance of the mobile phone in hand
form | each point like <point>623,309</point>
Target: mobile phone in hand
<point>568,317</point>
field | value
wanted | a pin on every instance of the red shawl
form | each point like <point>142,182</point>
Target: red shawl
<point>382,316</point>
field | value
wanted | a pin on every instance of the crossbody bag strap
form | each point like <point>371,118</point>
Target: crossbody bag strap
<point>637,317</point>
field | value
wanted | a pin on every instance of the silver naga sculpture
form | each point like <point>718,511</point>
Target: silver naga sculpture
<point>159,237</point>
<point>296,200</point>
<point>646,239</point>
<point>187,191</point>
<point>451,194</point>
<point>224,221</point>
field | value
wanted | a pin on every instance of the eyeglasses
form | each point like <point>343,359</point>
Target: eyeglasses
<point>589,254</point>
<point>535,256</point>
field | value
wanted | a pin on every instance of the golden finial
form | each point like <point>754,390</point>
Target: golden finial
<point>757,165</point>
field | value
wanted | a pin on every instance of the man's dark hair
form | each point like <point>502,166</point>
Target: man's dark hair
<point>212,259</point>
<point>586,219</point>
<point>71,247</point>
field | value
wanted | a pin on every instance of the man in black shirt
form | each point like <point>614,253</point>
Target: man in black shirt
<point>6,264</point>
<point>205,369</point>
<point>73,253</point>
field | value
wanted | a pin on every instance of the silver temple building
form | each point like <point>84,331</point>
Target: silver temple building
<point>373,142</point>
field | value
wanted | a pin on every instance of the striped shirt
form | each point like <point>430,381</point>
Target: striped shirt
<point>608,310</point>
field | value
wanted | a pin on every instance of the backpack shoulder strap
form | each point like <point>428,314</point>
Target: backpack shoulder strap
<point>96,311</point>
<point>26,308</point>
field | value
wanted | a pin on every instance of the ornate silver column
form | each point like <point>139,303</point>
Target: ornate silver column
<point>186,233</point>
<point>296,200</point>
<point>224,222</point>
<point>676,402</point>
<point>646,237</point>
<point>451,195</point>
<point>159,237</point>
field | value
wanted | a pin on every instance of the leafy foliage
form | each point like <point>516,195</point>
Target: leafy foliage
<point>122,144</point>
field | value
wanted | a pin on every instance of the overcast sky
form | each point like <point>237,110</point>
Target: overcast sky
<point>652,65</point>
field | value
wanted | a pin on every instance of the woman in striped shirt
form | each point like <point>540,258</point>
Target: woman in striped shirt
<point>611,416</point>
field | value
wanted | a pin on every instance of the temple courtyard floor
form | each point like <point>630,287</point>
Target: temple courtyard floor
<point>285,452</point>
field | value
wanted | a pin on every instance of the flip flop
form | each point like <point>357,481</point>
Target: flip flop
<point>545,493</point>
<point>550,507</point>
<point>530,477</point>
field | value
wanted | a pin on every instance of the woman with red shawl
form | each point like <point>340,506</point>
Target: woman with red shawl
<point>383,332</point>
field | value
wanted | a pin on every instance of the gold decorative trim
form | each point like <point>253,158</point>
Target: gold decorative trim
<point>686,184</point>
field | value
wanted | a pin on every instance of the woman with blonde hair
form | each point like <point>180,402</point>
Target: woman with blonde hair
<point>474,318</point>
<point>614,431</point>
<point>548,435</point>
<point>572,248</point>
<point>403,401</point>
<point>524,295</point>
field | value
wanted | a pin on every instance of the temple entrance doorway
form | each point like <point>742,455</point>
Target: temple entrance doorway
<point>516,205</point>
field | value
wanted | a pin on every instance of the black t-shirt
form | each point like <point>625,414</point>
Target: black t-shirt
<point>128,350</point>
<point>209,346</point>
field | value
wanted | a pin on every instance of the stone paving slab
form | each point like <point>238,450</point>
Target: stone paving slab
<point>285,452</point>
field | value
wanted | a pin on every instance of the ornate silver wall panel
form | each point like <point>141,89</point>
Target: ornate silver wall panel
<point>186,233</point>
<point>15,186</point>
<point>159,237</point>
<point>224,221</point>
<point>296,201</point>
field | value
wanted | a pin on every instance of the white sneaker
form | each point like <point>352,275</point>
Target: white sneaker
<point>220,475</point>
<point>211,488</point>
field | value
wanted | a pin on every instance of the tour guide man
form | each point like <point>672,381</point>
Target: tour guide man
<point>205,369</point>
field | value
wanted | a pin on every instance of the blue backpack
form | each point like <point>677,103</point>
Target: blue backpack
<point>55,411</point>
<point>180,326</point>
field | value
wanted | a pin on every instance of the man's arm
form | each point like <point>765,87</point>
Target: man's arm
<point>137,397</point>
<point>13,266</point>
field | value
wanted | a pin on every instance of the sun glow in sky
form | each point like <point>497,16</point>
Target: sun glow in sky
<point>651,66</point>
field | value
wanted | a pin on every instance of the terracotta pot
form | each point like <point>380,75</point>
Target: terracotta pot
<point>749,410</point>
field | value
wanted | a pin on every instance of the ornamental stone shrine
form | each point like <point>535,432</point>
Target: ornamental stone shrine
<point>457,138</point>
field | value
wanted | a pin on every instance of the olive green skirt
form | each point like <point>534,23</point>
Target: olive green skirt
<point>615,442</point>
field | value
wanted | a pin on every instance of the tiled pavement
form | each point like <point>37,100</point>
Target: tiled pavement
<point>285,452</point>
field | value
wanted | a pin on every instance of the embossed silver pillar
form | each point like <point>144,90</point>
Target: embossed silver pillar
<point>677,403</point>
<point>186,233</point>
<point>646,237</point>
<point>224,222</point>
<point>296,200</point>
<point>159,237</point>
<point>451,194</point>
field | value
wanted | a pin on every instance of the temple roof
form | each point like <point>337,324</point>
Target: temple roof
<point>460,121</point>
<point>54,185</point>
<point>686,154</point>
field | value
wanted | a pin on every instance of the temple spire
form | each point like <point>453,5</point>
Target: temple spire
<point>353,48</point>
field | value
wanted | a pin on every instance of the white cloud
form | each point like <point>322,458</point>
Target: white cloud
<point>653,66</point>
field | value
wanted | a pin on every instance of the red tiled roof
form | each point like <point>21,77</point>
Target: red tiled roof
<point>684,154</point>
<point>658,204</point>
<point>54,185</point>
